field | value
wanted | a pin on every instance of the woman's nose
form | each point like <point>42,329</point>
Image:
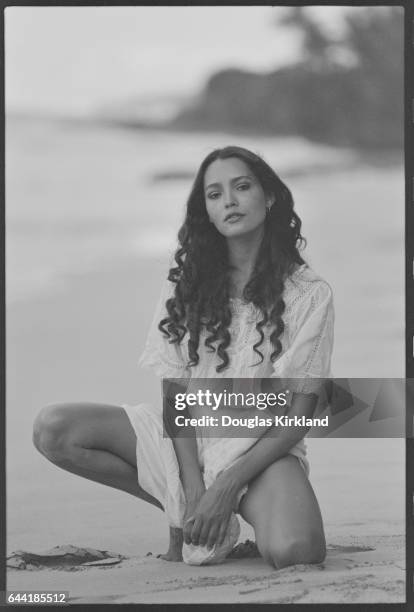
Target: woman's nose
<point>229,200</point>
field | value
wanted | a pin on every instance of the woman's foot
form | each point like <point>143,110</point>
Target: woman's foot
<point>244,550</point>
<point>174,552</point>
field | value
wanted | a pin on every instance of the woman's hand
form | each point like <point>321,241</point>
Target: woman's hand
<point>208,523</point>
<point>193,496</point>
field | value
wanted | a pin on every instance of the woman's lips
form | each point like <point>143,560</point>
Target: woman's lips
<point>233,218</point>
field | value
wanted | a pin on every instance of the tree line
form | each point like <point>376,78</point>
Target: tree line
<point>346,91</point>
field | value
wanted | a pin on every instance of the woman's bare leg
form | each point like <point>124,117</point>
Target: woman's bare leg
<point>175,548</point>
<point>282,508</point>
<point>97,442</point>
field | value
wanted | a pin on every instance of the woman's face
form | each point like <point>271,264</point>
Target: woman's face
<point>235,200</point>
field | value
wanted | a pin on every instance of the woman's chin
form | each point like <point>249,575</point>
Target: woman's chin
<point>240,230</point>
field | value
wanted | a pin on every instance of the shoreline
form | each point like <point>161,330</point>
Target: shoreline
<point>389,156</point>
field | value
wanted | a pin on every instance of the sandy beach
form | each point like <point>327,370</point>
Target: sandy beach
<point>79,339</point>
<point>373,574</point>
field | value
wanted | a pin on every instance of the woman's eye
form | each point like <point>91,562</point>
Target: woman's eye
<point>243,186</point>
<point>213,195</point>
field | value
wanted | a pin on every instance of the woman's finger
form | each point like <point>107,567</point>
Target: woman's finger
<point>222,532</point>
<point>204,533</point>
<point>195,532</point>
<point>212,536</point>
<point>187,529</point>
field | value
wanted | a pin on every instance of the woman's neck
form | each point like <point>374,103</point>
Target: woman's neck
<point>243,251</point>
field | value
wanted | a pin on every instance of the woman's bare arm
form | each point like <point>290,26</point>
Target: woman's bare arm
<point>185,445</point>
<point>273,445</point>
<point>215,507</point>
<point>187,457</point>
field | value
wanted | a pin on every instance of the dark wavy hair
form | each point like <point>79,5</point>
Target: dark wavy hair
<point>202,274</point>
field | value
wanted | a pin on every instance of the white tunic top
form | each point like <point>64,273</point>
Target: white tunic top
<point>307,339</point>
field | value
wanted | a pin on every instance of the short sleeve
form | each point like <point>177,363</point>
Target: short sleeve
<point>166,359</point>
<point>308,356</point>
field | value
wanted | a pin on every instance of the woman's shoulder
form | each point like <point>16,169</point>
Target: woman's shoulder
<point>304,283</point>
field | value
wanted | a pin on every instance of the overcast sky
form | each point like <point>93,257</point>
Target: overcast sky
<point>73,59</point>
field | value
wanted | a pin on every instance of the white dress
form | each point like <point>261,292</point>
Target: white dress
<point>307,342</point>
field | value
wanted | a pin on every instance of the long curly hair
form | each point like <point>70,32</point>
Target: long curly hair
<point>201,298</point>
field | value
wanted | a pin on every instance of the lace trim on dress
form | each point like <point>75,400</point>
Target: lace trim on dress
<point>307,338</point>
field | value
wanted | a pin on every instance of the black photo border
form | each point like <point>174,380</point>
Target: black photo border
<point>408,6</point>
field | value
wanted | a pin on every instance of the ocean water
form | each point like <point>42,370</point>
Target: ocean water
<point>79,197</point>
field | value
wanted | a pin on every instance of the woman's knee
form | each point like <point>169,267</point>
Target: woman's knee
<point>295,550</point>
<point>51,430</point>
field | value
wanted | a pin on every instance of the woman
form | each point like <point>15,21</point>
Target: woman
<point>240,303</point>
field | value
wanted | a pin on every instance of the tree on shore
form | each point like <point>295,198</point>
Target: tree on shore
<point>346,90</point>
